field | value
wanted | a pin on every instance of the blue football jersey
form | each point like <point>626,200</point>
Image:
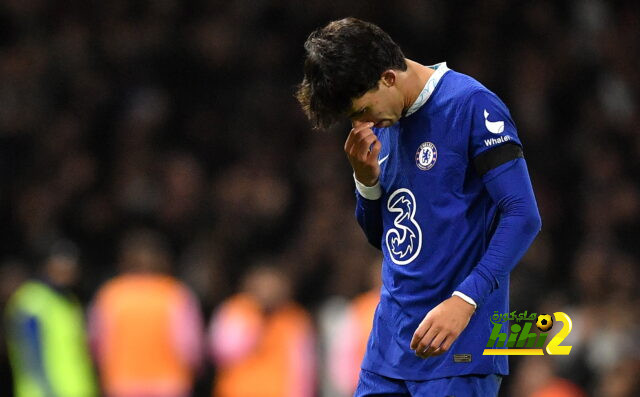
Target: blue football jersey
<point>437,221</point>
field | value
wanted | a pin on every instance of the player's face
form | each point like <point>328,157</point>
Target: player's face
<point>382,106</point>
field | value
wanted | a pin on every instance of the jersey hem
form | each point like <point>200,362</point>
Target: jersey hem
<point>419,376</point>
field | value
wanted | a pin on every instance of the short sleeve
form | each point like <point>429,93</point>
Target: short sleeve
<point>488,122</point>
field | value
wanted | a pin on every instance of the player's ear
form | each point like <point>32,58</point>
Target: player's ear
<point>388,78</point>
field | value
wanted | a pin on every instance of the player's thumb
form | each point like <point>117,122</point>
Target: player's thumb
<point>375,150</point>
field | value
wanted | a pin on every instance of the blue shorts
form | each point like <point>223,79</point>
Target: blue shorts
<point>371,384</point>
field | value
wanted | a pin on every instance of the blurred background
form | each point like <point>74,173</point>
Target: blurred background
<point>160,145</point>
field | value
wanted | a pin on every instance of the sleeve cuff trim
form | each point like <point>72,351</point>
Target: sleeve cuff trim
<point>369,192</point>
<point>465,298</point>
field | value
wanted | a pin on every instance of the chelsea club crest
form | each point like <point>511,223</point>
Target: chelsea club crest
<point>426,156</point>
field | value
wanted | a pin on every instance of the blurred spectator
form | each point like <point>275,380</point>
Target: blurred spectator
<point>621,381</point>
<point>347,345</point>
<point>146,326</point>
<point>261,341</point>
<point>535,378</point>
<point>46,333</point>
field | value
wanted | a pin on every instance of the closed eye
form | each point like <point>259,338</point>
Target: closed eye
<point>358,113</point>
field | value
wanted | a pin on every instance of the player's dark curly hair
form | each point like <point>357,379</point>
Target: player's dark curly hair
<point>344,60</point>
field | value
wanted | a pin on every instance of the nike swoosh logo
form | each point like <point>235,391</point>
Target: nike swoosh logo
<point>494,127</point>
<point>382,160</point>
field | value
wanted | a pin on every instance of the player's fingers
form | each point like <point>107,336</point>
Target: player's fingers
<point>362,126</point>
<point>361,131</point>
<point>363,148</point>
<point>348,143</point>
<point>419,333</point>
<point>357,127</point>
<point>356,134</point>
<point>435,344</point>
<point>426,341</point>
<point>436,352</point>
<point>444,347</point>
<point>363,135</point>
<point>375,150</point>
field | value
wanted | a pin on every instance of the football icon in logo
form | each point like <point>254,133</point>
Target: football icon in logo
<point>494,127</point>
<point>544,322</point>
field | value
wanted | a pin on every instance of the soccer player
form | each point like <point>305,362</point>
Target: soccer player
<point>442,189</point>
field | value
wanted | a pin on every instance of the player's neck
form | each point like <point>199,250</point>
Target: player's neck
<point>416,78</point>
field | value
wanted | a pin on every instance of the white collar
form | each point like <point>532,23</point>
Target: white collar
<point>440,69</point>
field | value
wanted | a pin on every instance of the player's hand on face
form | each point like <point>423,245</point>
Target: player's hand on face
<point>441,327</point>
<point>362,148</point>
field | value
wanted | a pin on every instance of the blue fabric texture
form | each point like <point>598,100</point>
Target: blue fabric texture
<point>519,222</point>
<point>370,220</point>
<point>374,385</point>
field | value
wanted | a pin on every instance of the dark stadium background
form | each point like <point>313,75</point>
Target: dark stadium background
<point>180,116</point>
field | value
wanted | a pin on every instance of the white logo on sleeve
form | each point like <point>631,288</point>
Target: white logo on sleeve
<point>494,127</point>
<point>404,240</point>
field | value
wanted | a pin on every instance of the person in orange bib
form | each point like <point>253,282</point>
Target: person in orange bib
<point>262,342</point>
<point>146,326</point>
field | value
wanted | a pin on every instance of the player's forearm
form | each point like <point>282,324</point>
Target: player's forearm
<point>369,218</point>
<point>518,225</point>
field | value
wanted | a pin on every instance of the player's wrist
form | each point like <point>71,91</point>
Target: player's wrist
<point>371,192</point>
<point>466,299</point>
<point>366,181</point>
